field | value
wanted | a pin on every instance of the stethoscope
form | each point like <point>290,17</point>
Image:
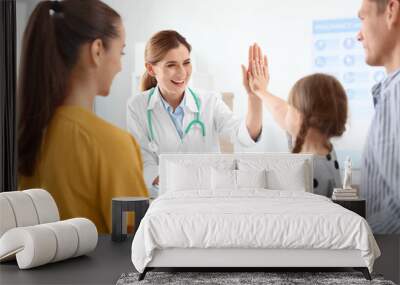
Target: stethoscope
<point>196,121</point>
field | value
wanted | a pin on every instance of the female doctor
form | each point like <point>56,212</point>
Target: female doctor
<point>170,117</point>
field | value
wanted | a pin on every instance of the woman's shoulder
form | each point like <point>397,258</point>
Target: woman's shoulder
<point>111,137</point>
<point>86,125</point>
<point>139,100</point>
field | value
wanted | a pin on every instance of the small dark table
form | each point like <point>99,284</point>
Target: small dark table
<point>357,206</point>
<point>120,207</point>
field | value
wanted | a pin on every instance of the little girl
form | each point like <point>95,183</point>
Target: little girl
<point>315,112</point>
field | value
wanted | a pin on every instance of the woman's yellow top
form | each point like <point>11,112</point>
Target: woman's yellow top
<point>84,162</point>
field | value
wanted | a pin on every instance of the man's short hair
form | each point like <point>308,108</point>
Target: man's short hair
<point>381,4</point>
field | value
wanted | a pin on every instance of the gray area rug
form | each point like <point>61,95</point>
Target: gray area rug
<point>225,278</point>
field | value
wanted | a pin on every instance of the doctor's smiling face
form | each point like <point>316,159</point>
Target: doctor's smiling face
<point>172,72</point>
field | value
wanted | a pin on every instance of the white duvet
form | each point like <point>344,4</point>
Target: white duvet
<point>250,219</point>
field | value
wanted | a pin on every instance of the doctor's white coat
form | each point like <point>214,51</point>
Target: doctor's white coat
<point>218,119</point>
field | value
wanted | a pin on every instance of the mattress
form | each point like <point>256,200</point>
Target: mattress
<point>250,219</point>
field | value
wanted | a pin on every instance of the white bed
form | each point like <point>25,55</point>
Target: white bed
<point>202,221</point>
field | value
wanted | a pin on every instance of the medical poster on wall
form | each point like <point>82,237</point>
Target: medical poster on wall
<point>336,51</point>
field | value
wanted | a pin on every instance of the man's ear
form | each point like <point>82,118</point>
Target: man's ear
<point>150,69</point>
<point>393,13</point>
<point>96,51</point>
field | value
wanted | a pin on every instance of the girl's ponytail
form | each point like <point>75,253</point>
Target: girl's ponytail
<point>300,137</point>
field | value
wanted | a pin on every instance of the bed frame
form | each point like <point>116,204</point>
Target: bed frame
<point>248,259</point>
<point>260,259</point>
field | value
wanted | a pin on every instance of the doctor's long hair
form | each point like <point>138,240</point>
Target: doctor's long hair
<point>322,102</point>
<point>156,49</point>
<point>52,40</point>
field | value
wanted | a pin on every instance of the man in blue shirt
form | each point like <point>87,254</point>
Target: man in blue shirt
<point>380,173</point>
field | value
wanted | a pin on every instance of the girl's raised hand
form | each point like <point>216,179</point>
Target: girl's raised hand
<point>258,73</point>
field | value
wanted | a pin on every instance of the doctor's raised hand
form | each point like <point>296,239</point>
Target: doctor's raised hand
<point>256,80</point>
<point>256,77</point>
<point>170,117</point>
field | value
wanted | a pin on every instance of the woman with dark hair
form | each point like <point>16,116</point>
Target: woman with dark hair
<point>71,52</point>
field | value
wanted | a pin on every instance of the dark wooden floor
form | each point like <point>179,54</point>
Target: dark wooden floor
<point>389,262</point>
<point>110,260</point>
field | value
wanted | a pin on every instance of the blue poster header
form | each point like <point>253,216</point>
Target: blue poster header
<point>336,26</point>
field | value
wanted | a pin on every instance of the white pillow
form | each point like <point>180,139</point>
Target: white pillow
<point>223,179</point>
<point>188,177</point>
<point>227,179</point>
<point>292,178</point>
<point>281,174</point>
<point>251,178</point>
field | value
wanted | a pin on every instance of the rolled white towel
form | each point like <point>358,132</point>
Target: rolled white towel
<point>40,244</point>
<point>23,208</point>
<point>66,238</point>
<point>33,246</point>
<point>46,207</point>
<point>26,208</point>
<point>7,217</point>
<point>87,235</point>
